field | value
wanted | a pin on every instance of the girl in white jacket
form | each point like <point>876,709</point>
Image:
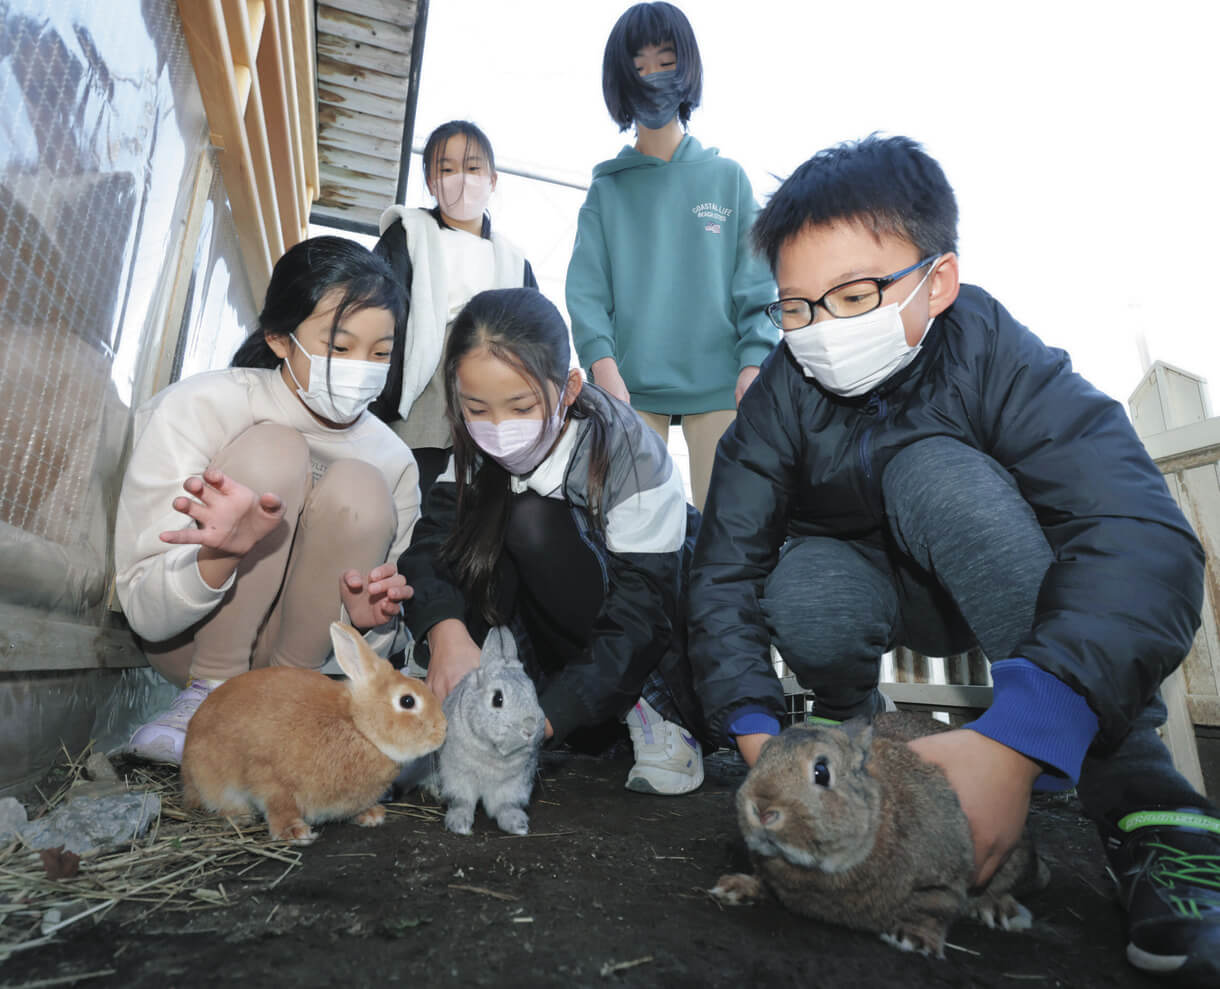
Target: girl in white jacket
<point>443,257</point>
<point>297,501</point>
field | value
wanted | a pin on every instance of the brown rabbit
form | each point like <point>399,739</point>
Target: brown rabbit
<point>302,748</point>
<point>847,824</point>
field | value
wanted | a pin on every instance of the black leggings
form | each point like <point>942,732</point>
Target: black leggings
<point>559,578</point>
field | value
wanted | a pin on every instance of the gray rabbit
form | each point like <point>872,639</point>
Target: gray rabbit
<point>847,824</point>
<point>491,748</point>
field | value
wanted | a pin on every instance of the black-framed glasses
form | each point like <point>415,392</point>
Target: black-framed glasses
<point>853,298</point>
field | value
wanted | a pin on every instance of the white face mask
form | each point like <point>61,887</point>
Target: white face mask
<point>353,385</point>
<point>463,195</point>
<point>517,445</point>
<point>853,355</point>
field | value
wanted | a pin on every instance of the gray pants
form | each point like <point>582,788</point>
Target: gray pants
<point>963,566</point>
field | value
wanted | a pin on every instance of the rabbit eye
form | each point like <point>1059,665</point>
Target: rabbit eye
<point>821,772</point>
<point>406,701</point>
<point>497,699</point>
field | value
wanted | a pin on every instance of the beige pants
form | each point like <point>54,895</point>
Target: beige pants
<point>279,609</point>
<point>702,432</point>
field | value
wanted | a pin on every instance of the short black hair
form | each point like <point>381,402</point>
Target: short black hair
<point>888,184</point>
<point>649,24</point>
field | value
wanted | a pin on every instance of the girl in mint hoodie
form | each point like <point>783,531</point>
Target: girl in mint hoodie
<point>665,293</point>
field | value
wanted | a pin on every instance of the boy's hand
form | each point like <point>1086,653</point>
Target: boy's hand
<point>606,375</point>
<point>376,599</point>
<point>454,654</point>
<point>744,379</point>
<point>992,782</point>
<point>751,745</point>
<point>230,520</point>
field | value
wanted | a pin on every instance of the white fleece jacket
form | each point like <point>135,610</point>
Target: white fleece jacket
<point>178,433</point>
<point>429,313</point>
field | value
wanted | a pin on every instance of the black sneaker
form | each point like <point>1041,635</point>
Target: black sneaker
<point>1167,866</point>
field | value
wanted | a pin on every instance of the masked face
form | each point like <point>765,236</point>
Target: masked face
<point>347,391</point>
<point>853,355</point>
<point>664,93</point>
<point>517,445</point>
<point>463,195</point>
<point>504,411</point>
<point>660,105</point>
<point>461,178</point>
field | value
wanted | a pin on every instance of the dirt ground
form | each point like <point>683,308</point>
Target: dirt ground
<point>607,890</point>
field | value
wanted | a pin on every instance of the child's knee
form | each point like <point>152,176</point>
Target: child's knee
<point>942,481</point>
<point>268,457</point>
<point>353,498</point>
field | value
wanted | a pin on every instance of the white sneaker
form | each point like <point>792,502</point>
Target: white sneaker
<point>162,739</point>
<point>668,760</point>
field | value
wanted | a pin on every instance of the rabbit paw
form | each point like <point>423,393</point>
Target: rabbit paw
<point>459,820</point>
<point>1001,911</point>
<point>297,832</point>
<point>514,820</point>
<point>913,939</point>
<point>737,888</point>
<point>373,817</point>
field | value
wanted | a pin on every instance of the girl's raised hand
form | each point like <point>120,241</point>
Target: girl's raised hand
<point>376,599</point>
<point>229,518</point>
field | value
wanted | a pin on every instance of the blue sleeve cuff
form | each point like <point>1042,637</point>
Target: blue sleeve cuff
<point>753,719</point>
<point>1038,715</point>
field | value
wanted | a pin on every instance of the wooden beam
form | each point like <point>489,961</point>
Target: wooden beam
<point>357,182</point>
<point>383,168</point>
<point>382,107</point>
<point>397,12</point>
<point>245,47</point>
<point>283,16</point>
<point>375,147</point>
<point>305,41</point>
<point>35,640</point>
<point>203,26</point>
<point>378,59</point>
<point>332,72</point>
<point>361,30</point>
<point>334,117</point>
<point>348,214</point>
<point>279,116</point>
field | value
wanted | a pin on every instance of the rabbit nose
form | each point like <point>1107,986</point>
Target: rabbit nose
<point>768,818</point>
<point>529,726</point>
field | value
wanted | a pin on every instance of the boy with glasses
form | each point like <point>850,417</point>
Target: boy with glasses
<point>916,468</point>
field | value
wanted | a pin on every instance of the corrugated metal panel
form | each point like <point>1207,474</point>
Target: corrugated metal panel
<point>364,57</point>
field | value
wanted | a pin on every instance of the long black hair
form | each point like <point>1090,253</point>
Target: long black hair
<point>649,24</point>
<point>303,276</point>
<point>522,328</point>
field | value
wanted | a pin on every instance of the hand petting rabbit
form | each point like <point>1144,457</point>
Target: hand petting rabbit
<point>847,824</point>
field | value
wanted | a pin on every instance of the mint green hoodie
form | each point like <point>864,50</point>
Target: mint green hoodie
<point>664,280</point>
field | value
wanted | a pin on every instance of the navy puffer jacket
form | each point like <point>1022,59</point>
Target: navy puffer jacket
<point>1120,603</point>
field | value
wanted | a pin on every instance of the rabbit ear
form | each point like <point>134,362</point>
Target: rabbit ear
<point>354,655</point>
<point>499,648</point>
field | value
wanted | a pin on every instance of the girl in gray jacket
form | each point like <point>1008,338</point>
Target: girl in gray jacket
<point>561,515</point>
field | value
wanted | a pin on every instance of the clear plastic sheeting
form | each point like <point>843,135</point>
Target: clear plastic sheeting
<point>105,172</point>
<point>101,131</point>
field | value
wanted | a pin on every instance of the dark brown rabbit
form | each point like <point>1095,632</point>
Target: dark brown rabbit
<point>847,824</point>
